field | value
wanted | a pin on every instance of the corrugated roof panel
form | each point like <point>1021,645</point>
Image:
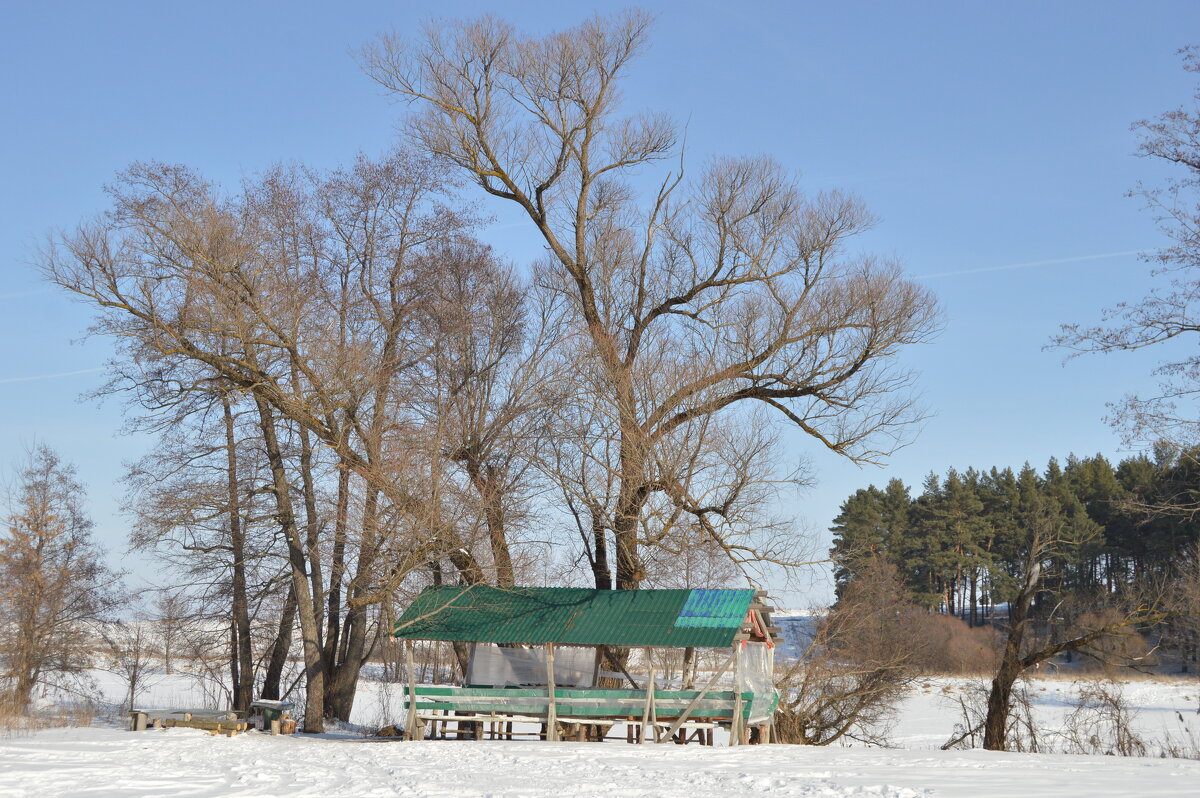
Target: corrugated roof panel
<point>713,608</point>
<point>579,616</point>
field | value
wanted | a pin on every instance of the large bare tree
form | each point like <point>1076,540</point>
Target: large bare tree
<point>305,308</point>
<point>692,300</point>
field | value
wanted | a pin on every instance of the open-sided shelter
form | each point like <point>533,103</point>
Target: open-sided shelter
<point>536,655</point>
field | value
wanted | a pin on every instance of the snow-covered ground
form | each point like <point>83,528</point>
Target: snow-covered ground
<point>103,760</point>
<point>185,762</point>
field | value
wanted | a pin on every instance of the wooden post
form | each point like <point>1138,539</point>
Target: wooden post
<point>274,728</point>
<point>653,697</point>
<point>696,701</point>
<point>735,723</point>
<point>410,728</point>
<point>551,710</point>
<point>648,707</point>
<point>653,711</point>
<point>139,721</point>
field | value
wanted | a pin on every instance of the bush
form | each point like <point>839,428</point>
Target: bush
<point>943,644</point>
<point>854,672</point>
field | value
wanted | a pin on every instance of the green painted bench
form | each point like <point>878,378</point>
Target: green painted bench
<point>717,705</point>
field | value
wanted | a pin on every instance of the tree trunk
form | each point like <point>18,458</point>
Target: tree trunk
<point>688,676</point>
<point>344,668</point>
<point>629,567</point>
<point>493,511</point>
<point>601,571</point>
<point>310,629</point>
<point>337,565</point>
<point>1000,697</point>
<point>974,597</point>
<point>1011,665</point>
<point>241,653</point>
<point>281,648</point>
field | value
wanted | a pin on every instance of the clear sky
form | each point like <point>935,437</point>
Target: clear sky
<point>991,138</point>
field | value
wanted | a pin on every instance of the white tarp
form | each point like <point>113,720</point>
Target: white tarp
<point>512,667</point>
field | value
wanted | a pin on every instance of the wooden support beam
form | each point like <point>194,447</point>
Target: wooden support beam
<point>551,710</point>
<point>735,725</point>
<point>695,702</point>
<point>410,728</point>
<point>649,705</point>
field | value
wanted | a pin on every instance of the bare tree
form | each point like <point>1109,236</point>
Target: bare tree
<point>170,614</point>
<point>1023,649</point>
<point>199,504</point>
<point>129,651</point>
<point>854,669</point>
<point>1169,311</point>
<point>302,311</point>
<point>489,381</point>
<point>692,304</point>
<point>53,577</point>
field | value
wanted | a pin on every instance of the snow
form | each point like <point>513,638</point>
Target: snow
<point>104,760</point>
<point>185,762</point>
<point>931,710</point>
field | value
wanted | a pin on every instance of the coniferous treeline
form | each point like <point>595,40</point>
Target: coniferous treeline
<point>960,542</point>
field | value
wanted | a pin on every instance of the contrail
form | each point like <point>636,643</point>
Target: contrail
<point>1051,262</point>
<point>51,376</point>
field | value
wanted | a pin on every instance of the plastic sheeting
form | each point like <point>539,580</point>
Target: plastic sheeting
<point>512,667</point>
<point>755,672</point>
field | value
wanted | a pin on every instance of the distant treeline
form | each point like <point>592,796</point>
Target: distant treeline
<point>960,543</point>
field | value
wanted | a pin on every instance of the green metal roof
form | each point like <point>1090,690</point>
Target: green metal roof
<point>576,616</point>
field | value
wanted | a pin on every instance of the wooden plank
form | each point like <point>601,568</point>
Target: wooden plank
<point>711,682</point>
<point>710,707</point>
<point>209,725</point>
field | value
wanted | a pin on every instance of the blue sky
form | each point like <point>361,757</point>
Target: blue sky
<point>987,136</point>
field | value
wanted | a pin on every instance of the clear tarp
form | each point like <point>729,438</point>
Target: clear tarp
<point>513,667</point>
<point>755,672</point>
<point>575,667</point>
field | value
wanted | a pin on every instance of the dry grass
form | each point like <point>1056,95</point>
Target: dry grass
<point>14,723</point>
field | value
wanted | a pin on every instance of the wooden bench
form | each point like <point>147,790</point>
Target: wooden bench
<point>224,722</point>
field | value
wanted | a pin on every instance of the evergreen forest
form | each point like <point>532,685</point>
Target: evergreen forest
<point>961,542</point>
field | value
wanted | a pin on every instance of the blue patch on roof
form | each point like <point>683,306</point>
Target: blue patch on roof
<point>714,608</point>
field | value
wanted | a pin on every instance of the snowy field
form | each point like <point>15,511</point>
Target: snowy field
<point>187,762</point>
<point>103,760</point>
